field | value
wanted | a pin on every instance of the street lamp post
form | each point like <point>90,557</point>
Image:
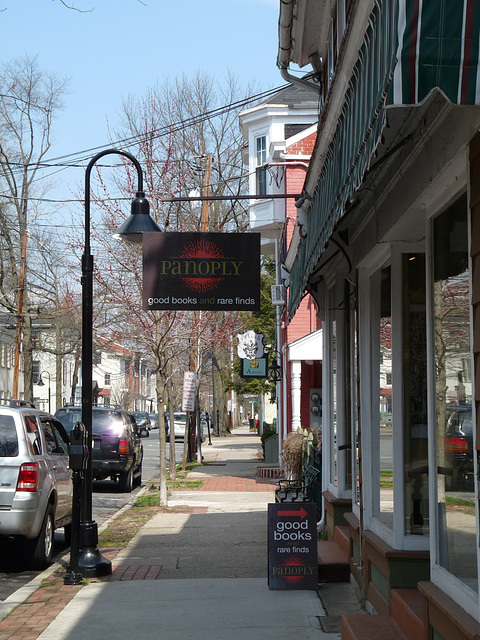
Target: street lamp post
<point>90,562</point>
<point>41,383</point>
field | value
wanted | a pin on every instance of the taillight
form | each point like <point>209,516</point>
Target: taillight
<point>456,445</point>
<point>28,477</point>
<point>123,447</point>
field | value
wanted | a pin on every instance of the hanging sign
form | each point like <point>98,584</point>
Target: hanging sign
<point>292,545</point>
<point>256,368</point>
<point>201,271</point>
<point>250,345</point>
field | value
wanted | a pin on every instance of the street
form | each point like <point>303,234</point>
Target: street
<point>106,502</point>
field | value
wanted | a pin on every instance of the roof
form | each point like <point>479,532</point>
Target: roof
<point>295,97</point>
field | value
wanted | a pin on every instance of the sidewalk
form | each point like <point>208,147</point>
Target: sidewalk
<point>201,574</point>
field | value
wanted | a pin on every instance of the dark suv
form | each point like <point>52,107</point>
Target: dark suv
<point>459,446</point>
<point>117,451</point>
<point>35,481</point>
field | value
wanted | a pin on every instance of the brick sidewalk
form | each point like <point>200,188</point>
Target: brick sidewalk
<point>32,617</point>
<point>235,483</point>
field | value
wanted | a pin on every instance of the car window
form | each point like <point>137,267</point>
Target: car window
<point>49,437</point>
<point>33,435</point>
<point>460,421</point>
<point>61,436</point>
<point>69,417</point>
<point>107,422</point>
<point>465,422</point>
<point>8,437</point>
<point>55,436</point>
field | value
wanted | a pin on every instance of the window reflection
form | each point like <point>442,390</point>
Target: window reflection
<point>385,398</point>
<point>415,395</point>
<point>334,402</point>
<point>456,499</point>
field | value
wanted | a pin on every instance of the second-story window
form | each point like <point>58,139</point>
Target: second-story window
<point>107,380</point>
<point>260,160</point>
<point>261,150</point>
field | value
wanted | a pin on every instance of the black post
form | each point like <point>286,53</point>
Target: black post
<point>91,562</point>
<point>73,575</point>
<point>207,418</point>
<point>218,422</point>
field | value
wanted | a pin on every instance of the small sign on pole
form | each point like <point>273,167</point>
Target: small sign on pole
<point>292,545</point>
<point>188,397</point>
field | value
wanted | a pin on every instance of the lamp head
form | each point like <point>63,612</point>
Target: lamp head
<point>40,383</point>
<point>138,222</point>
<point>275,371</point>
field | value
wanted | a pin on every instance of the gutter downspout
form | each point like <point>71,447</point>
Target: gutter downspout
<point>285,21</point>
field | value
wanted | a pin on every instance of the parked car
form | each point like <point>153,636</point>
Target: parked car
<point>459,446</point>
<point>154,420</point>
<point>35,481</point>
<point>179,422</point>
<point>142,418</point>
<point>117,451</point>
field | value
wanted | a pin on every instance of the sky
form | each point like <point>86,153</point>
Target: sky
<point>113,48</point>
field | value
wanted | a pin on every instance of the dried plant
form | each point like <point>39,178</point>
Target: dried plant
<point>292,455</point>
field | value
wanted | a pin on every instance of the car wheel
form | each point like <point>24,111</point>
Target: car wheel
<point>40,550</point>
<point>126,481</point>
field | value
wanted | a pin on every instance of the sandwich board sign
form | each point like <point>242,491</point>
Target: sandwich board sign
<point>292,546</point>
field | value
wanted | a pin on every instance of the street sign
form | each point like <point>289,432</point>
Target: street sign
<point>292,545</point>
<point>188,397</point>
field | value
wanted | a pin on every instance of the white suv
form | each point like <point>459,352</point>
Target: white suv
<point>35,481</point>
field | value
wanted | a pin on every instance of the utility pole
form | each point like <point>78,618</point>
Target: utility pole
<point>18,336</point>
<point>207,183</point>
<point>195,347</point>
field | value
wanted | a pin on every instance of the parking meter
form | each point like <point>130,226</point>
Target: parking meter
<point>78,448</point>
<point>78,457</point>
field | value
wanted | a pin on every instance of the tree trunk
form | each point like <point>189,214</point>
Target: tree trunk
<point>27,359</point>
<point>162,441</point>
<point>219,405</point>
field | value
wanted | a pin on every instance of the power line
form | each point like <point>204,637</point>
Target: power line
<point>84,155</point>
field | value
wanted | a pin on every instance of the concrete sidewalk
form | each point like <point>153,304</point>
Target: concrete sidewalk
<point>200,574</point>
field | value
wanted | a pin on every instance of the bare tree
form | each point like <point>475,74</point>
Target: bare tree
<point>29,101</point>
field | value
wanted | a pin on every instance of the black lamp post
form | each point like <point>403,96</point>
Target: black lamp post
<point>41,383</point>
<point>90,561</point>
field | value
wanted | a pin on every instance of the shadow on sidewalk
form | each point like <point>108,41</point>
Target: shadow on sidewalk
<point>210,545</point>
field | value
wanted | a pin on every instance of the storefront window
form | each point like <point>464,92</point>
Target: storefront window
<point>356,433</point>
<point>384,397</point>
<point>456,536</point>
<point>334,461</point>
<point>381,291</point>
<point>415,395</point>
<point>350,394</point>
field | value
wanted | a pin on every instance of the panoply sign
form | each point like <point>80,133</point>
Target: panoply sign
<point>292,545</point>
<point>201,271</point>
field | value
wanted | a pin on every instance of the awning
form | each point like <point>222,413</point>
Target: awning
<point>356,137</point>
<point>409,50</point>
<point>104,392</point>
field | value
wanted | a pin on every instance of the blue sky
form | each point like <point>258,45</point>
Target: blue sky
<point>124,47</point>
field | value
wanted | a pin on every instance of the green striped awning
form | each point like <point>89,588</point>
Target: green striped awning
<point>410,48</point>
